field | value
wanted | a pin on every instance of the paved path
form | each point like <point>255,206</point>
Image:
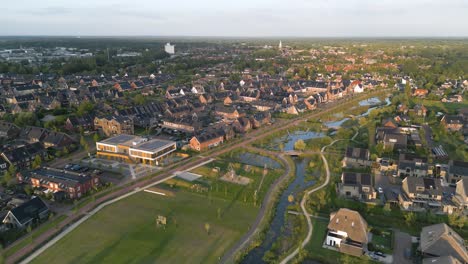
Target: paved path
<point>401,243</point>
<point>168,173</point>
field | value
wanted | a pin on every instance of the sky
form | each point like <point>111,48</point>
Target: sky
<point>249,18</point>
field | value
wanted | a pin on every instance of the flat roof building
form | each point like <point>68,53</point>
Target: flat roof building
<point>135,149</point>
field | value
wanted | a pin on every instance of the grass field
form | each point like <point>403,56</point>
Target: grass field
<point>126,232</point>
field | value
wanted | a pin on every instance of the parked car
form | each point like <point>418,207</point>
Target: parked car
<point>75,167</point>
<point>380,190</point>
<point>380,254</point>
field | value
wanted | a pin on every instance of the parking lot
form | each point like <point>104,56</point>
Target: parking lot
<point>115,171</point>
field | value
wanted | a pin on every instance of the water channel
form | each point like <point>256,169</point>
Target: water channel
<point>299,183</point>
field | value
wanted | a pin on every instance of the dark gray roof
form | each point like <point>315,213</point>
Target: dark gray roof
<point>29,210</point>
<point>458,167</point>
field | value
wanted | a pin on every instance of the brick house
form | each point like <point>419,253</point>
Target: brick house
<point>73,184</point>
<point>207,140</point>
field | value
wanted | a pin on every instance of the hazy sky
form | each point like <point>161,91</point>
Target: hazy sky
<point>235,17</point>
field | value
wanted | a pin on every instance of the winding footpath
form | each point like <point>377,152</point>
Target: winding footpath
<point>304,201</point>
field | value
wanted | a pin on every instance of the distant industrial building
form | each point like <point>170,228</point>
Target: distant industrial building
<point>135,149</point>
<point>169,48</point>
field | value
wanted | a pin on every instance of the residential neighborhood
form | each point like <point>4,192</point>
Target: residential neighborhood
<point>289,151</point>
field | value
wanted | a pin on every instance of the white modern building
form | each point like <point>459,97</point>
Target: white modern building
<point>135,149</point>
<point>169,48</point>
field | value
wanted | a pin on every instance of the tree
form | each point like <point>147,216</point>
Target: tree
<point>84,143</point>
<point>37,162</point>
<point>299,145</point>
<point>139,99</point>
<point>29,229</point>
<point>207,228</point>
<point>28,190</point>
<point>9,175</point>
<point>410,218</point>
<point>96,137</point>
<point>85,108</point>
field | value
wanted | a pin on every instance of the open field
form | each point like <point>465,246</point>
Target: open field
<point>126,231</point>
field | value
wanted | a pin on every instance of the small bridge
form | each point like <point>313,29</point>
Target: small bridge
<point>293,153</point>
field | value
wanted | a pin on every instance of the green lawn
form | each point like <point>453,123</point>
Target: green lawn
<point>125,232</point>
<point>383,241</point>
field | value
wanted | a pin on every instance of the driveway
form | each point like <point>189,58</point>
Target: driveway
<point>401,242</point>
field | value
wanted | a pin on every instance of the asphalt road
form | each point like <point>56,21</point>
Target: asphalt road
<point>402,241</point>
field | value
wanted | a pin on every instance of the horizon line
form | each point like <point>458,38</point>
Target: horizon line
<point>240,36</point>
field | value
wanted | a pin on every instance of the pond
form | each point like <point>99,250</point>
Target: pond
<point>287,141</point>
<point>374,101</point>
<point>258,160</point>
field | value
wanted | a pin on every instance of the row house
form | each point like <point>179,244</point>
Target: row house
<point>73,184</point>
<point>421,193</point>
<point>8,131</point>
<point>207,140</point>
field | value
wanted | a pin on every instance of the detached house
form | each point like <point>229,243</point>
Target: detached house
<point>348,232</point>
<point>28,213</point>
<point>357,186</point>
<point>356,157</point>
<point>452,123</point>
<point>440,240</point>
